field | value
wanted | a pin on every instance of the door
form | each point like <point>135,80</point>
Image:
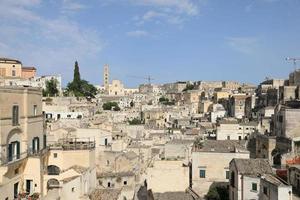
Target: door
<point>29,186</point>
<point>16,189</point>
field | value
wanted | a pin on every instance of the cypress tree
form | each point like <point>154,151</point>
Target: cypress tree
<point>80,87</point>
<point>76,78</point>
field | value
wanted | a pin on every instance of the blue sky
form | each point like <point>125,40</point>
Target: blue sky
<point>244,40</point>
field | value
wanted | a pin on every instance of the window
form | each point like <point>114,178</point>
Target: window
<point>227,175</point>
<point>108,184</point>
<point>125,182</point>
<point>73,189</point>
<point>228,137</point>
<point>254,187</point>
<point>55,155</point>
<point>14,151</point>
<point>265,189</point>
<point>202,173</point>
<point>15,115</point>
<point>34,110</point>
<point>240,137</point>
<point>13,72</point>
<point>68,116</point>
<point>36,144</point>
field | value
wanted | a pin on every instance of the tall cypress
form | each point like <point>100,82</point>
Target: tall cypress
<point>80,87</point>
<point>76,78</point>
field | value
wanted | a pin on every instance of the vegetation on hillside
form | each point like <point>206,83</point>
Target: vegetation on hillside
<point>111,106</point>
<point>189,87</point>
<point>51,88</point>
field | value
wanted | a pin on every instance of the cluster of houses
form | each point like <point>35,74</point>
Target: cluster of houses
<point>182,140</point>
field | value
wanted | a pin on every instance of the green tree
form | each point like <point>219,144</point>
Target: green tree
<point>218,192</point>
<point>111,106</point>
<point>163,99</point>
<point>189,87</point>
<point>135,121</point>
<point>51,88</point>
<point>79,87</point>
<point>76,78</point>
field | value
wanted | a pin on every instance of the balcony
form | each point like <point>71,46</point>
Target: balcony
<point>7,160</point>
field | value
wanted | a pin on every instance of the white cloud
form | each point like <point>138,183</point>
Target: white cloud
<point>245,45</point>
<point>160,16</point>
<point>137,33</point>
<point>49,43</point>
<point>164,11</point>
<point>71,6</point>
<point>189,7</point>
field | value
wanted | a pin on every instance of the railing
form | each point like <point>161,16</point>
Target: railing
<point>73,144</point>
<point>38,153</point>
<point>6,160</point>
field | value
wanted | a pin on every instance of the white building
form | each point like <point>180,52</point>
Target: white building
<point>230,129</point>
<point>210,162</point>
<point>218,111</point>
<point>253,179</point>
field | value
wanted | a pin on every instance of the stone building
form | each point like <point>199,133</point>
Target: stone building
<point>231,129</point>
<point>65,177</point>
<point>10,68</point>
<point>288,93</point>
<point>23,152</point>
<point>287,120</point>
<point>28,72</point>
<point>210,162</point>
<point>254,179</point>
<point>237,105</point>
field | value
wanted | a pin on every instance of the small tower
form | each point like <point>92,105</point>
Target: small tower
<point>106,77</point>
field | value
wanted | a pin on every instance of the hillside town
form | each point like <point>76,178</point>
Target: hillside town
<point>187,140</point>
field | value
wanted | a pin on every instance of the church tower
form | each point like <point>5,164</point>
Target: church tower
<point>106,77</point>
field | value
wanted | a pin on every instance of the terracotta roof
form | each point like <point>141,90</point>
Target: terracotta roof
<point>184,142</point>
<point>66,180</point>
<point>252,166</point>
<point>28,68</point>
<point>105,194</point>
<point>173,196</point>
<point>274,180</point>
<point>9,60</point>
<point>117,174</point>
<point>221,146</point>
<point>79,169</point>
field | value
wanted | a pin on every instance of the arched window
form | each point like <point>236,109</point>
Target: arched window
<point>35,144</point>
<point>53,170</point>
<point>52,183</point>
